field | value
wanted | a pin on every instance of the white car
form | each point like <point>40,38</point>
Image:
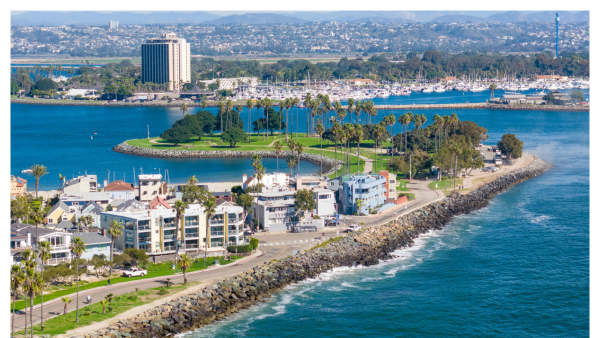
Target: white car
<point>135,272</point>
<point>353,228</point>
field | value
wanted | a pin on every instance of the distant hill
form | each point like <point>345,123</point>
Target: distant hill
<point>459,18</point>
<point>255,19</point>
<point>508,17</point>
<point>564,16</point>
<point>36,18</point>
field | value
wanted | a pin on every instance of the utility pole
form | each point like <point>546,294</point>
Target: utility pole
<point>410,167</point>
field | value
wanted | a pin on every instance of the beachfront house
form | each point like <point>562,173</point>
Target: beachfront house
<point>85,183</point>
<point>120,190</point>
<point>95,244</point>
<point>23,237</point>
<point>18,186</point>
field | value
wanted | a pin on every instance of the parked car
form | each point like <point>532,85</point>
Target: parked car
<point>353,228</point>
<point>135,272</point>
<point>248,233</point>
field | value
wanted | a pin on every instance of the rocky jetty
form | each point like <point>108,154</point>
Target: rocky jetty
<point>329,164</point>
<point>365,247</point>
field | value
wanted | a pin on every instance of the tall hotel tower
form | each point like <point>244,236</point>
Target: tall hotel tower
<point>166,60</point>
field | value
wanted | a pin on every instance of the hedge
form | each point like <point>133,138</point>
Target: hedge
<point>254,243</point>
<point>240,248</point>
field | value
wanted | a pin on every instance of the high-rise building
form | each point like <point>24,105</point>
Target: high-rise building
<point>166,60</point>
<point>113,24</point>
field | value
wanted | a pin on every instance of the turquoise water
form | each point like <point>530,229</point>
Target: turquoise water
<point>517,268</point>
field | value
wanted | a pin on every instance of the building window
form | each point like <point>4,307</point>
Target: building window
<point>157,244</point>
<point>50,220</point>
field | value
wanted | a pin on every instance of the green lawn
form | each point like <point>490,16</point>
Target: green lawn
<point>444,184</point>
<point>154,270</point>
<point>409,195</point>
<point>63,323</point>
<point>400,188</point>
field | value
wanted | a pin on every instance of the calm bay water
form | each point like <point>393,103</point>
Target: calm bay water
<point>517,268</point>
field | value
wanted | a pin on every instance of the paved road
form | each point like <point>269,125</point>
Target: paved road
<point>272,246</point>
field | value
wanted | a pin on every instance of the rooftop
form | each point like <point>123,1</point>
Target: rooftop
<point>92,237</point>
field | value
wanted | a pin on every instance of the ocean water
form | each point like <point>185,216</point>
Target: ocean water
<point>517,268</point>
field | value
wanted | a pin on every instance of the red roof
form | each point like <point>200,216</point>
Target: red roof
<point>119,186</point>
<point>156,201</point>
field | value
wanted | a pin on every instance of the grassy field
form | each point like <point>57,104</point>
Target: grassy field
<point>400,183</point>
<point>154,270</point>
<point>63,323</point>
<point>445,184</point>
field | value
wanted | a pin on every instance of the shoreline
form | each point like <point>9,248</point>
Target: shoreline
<point>366,247</point>
<point>481,105</point>
<point>329,164</point>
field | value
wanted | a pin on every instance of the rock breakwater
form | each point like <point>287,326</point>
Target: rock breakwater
<point>329,164</point>
<point>365,247</point>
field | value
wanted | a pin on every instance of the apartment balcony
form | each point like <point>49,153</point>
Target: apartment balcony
<point>144,228</point>
<point>55,261</point>
<point>194,224</point>
<point>192,235</point>
<point>214,222</point>
<point>217,233</point>
<point>59,247</point>
<point>169,225</point>
<point>144,240</point>
<point>169,237</point>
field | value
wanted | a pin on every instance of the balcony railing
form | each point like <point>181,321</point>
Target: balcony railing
<point>143,227</point>
<point>192,234</point>
<point>59,247</point>
<point>191,224</point>
<point>169,248</point>
<point>169,237</point>
<point>144,240</point>
<point>169,225</point>
<point>54,261</point>
<point>214,222</point>
<point>217,233</point>
<point>190,246</point>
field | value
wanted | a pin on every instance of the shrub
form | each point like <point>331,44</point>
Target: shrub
<point>240,248</point>
<point>132,297</point>
<point>87,313</point>
<point>373,212</point>
<point>110,308</point>
<point>162,291</point>
<point>316,217</point>
<point>254,243</point>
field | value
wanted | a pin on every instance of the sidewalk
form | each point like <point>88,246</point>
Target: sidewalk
<point>257,254</point>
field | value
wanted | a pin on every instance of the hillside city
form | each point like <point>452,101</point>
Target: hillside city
<point>327,37</point>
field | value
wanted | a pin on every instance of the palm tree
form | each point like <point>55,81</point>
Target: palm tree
<point>203,104</point>
<point>184,263</point>
<point>81,223</point>
<point>358,138</point>
<point>104,303</point>
<point>249,105</point>
<point>307,101</point>
<point>16,281</point>
<point>358,110</point>
<point>295,103</point>
<point>221,106</point>
<point>278,147</point>
<point>192,180</point>
<point>456,150</point>
<point>409,118</point>
<point>44,255</point>
<point>320,130</point>
<point>32,284</point>
<point>115,230</point>
<point>37,171</point>
<point>291,162</point>
<point>184,108</point>
<point>299,150</point>
<point>228,108</point>
<point>492,88</point>
<point>350,106</point>
<point>61,179</point>
<point>391,120</point>
<point>77,247</point>
<point>37,216</point>
<point>359,203</point>
<point>210,205</point>
<point>65,300</point>
<point>180,210</point>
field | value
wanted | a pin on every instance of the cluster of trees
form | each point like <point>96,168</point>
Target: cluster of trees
<point>430,64</point>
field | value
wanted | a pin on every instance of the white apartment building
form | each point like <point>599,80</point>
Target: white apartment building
<point>166,60</point>
<point>85,183</point>
<point>23,238</point>
<point>155,230</point>
<point>151,186</point>
<point>276,212</point>
<point>271,182</point>
<point>113,24</point>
